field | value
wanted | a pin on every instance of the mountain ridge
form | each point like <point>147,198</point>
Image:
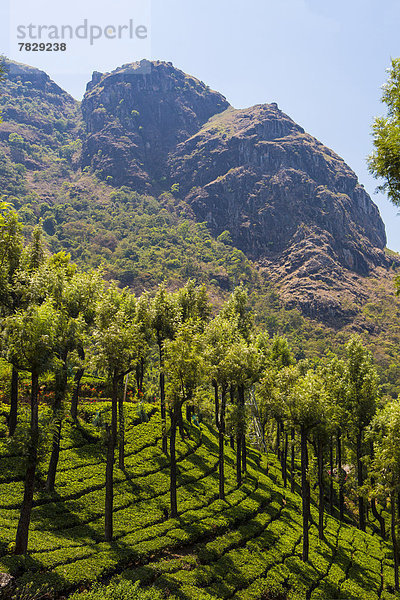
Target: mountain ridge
<point>253,175</point>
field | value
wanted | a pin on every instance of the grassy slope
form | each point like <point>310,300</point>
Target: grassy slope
<point>241,548</point>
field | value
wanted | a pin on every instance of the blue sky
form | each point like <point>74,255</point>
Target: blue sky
<point>322,62</point>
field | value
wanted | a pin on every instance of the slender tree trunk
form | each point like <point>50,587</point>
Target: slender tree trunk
<point>21,540</point>
<point>164,440</point>
<point>264,444</point>
<point>239,439</point>
<point>284,458</point>
<point>360,481</point>
<point>398,505</point>
<point>232,400</point>
<point>340,472</point>
<point>394,540</point>
<point>238,459</point>
<point>111,443</point>
<point>216,401</point>
<point>243,428</point>
<point>180,423</point>
<point>321,490</point>
<point>331,465</point>
<point>244,454</point>
<point>292,465</point>
<point>378,516</point>
<point>60,391</point>
<point>221,466</point>
<point>374,510</point>
<point>221,444</point>
<point>278,439</point>
<point>305,492</point>
<point>173,470</point>
<point>139,375</point>
<point>77,385</point>
<point>121,425</point>
<point>12,418</point>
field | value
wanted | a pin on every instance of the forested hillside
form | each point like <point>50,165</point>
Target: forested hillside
<point>199,351</point>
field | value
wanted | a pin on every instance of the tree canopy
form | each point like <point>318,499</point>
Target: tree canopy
<point>384,162</point>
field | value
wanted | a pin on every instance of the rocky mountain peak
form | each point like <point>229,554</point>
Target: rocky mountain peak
<point>137,114</point>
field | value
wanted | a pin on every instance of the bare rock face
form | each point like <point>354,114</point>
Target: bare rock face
<point>137,114</point>
<point>289,203</point>
<point>259,175</point>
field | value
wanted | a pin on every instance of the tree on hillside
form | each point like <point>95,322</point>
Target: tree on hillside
<point>334,375</point>
<point>307,406</point>
<point>12,293</point>
<point>80,298</point>
<point>31,341</point>
<point>233,364</point>
<point>185,368</point>
<point>219,338</point>
<point>283,382</point>
<point>278,357</point>
<point>73,295</point>
<point>320,437</point>
<point>164,320</point>
<point>193,302</point>
<point>385,435</point>
<point>47,284</point>
<point>237,310</point>
<point>246,362</point>
<point>192,305</point>
<point>361,396</point>
<point>115,350</point>
<point>384,162</point>
<point>143,319</point>
<point>18,267</point>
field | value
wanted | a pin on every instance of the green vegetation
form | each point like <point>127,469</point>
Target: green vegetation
<point>254,535</point>
<point>250,464</point>
<point>206,515</point>
<point>385,160</point>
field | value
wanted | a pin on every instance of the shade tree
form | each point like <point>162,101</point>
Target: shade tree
<point>116,338</point>
<point>220,338</point>
<point>361,399</point>
<point>185,367</point>
<point>307,405</point>
<point>384,162</point>
<point>384,433</point>
<point>276,402</point>
<point>246,364</point>
<point>12,294</point>
<point>334,374</point>
<point>30,337</point>
<point>165,318</point>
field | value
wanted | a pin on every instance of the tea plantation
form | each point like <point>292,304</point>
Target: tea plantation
<point>247,547</point>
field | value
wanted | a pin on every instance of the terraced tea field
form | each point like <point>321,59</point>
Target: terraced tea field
<point>247,547</point>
